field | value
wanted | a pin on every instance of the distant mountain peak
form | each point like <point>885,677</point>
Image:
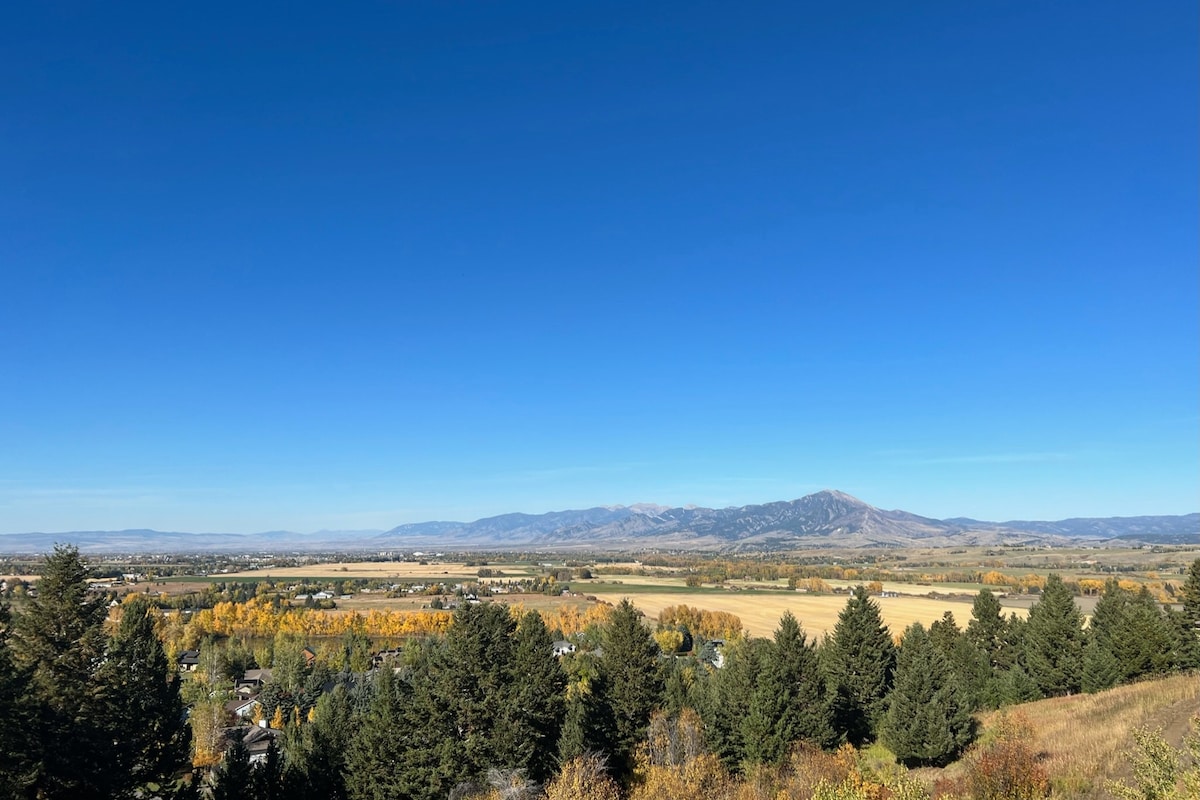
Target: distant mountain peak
<point>828,518</point>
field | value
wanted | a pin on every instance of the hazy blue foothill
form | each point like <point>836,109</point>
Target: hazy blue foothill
<point>827,518</point>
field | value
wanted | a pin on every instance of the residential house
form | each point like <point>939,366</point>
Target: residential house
<point>254,678</point>
<point>243,707</point>
<point>189,660</point>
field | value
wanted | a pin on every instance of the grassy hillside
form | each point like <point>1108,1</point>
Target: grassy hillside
<point>1082,740</point>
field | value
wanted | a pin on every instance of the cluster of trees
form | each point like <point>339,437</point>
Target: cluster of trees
<point>482,707</point>
<point>470,703</point>
<point>488,695</point>
<point>260,617</point>
<point>87,713</point>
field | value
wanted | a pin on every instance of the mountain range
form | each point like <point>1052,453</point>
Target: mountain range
<point>824,519</point>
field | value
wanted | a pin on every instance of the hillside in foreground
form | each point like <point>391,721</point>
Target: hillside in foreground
<point>1083,740</point>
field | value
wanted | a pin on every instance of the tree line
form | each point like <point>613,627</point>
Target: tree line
<point>98,713</point>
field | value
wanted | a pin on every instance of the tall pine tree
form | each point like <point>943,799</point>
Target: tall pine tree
<point>859,659</point>
<point>60,640</point>
<point>233,779</point>
<point>631,680</point>
<point>726,710</point>
<point>1053,641</point>
<point>928,721</point>
<point>474,681</point>
<point>790,701</point>
<point>406,745</point>
<point>1191,595</point>
<point>536,702</point>
<point>16,759</point>
<point>145,711</point>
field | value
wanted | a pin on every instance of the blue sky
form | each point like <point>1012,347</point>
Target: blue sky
<point>292,266</point>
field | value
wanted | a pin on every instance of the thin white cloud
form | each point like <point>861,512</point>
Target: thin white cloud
<point>989,458</point>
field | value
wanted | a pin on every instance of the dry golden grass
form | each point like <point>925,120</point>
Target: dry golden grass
<point>1082,739</point>
<point>364,603</point>
<point>760,611</point>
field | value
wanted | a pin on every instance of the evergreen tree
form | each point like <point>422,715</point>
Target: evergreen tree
<point>928,721</point>
<point>969,667</point>
<point>536,704</point>
<point>1131,633</point>
<point>1014,686</point>
<point>1151,636</point>
<point>790,701</point>
<point>315,764</point>
<point>406,745</point>
<point>859,659</point>
<point>1053,641</point>
<point>988,631</point>
<point>632,684</point>
<point>474,678</point>
<point>60,640</point>
<point>587,727</point>
<point>1185,647</point>
<point>1100,667</point>
<point>16,763</point>
<point>726,710</point>
<point>144,709</point>
<point>267,776</point>
<point>233,778</point>
<point>1191,595</point>
<point>1103,662</point>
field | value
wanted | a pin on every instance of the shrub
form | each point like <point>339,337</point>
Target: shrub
<point>1006,768</point>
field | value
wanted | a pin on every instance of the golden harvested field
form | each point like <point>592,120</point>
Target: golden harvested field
<point>400,570</point>
<point>760,612</point>
<point>376,602</point>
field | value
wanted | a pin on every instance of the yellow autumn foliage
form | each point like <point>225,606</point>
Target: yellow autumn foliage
<point>701,622</point>
<point>259,618</point>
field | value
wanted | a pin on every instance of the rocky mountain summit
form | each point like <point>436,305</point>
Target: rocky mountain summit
<point>825,519</point>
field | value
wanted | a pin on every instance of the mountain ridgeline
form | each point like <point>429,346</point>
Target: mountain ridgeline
<point>824,519</point>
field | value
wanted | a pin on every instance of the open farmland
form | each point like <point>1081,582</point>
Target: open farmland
<point>382,570</point>
<point>364,603</point>
<point>761,608</point>
<point>760,611</point>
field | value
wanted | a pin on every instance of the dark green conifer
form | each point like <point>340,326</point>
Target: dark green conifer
<point>1185,647</point>
<point>267,776</point>
<point>16,759</point>
<point>536,702</point>
<point>474,678</point>
<point>1053,641</point>
<point>140,693</point>
<point>928,721</point>
<point>406,745</point>
<point>233,779</point>
<point>859,659</point>
<point>60,641</point>
<point>1191,595</point>
<point>727,710</point>
<point>790,701</point>
<point>587,724</point>
<point>631,680</point>
<point>989,632</point>
<point>1100,668</point>
<point>969,667</point>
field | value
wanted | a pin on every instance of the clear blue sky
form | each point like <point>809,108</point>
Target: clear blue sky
<point>303,266</point>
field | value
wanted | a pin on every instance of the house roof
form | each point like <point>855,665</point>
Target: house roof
<point>234,706</point>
